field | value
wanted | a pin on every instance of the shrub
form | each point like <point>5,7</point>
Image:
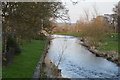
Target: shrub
<point>11,43</point>
<point>41,36</point>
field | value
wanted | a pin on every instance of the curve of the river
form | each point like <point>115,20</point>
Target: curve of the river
<point>75,61</point>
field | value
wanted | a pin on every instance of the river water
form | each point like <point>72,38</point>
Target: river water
<point>75,61</point>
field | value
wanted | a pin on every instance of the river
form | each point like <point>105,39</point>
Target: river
<point>75,61</point>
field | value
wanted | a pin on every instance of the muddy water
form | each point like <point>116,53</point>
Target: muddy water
<point>75,61</point>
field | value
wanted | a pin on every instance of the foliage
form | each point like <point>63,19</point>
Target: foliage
<point>116,10</point>
<point>11,43</point>
<point>28,19</point>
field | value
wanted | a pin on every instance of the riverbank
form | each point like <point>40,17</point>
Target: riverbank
<point>51,69</point>
<point>109,55</point>
<point>24,64</point>
<point>47,68</point>
<point>108,49</point>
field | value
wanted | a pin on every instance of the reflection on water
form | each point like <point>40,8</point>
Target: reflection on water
<point>77,61</point>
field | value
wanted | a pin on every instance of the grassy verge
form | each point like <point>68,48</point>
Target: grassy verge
<point>111,43</point>
<point>25,63</point>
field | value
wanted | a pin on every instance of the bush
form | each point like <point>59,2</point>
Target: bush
<point>41,36</point>
<point>11,43</point>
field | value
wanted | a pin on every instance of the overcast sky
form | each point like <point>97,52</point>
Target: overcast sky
<point>76,11</point>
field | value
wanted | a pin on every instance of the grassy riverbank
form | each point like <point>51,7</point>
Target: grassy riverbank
<point>25,63</point>
<point>111,43</point>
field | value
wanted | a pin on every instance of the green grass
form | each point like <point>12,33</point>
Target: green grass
<point>111,46</point>
<point>112,43</point>
<point>25,63</point>
<point>76,34</point>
